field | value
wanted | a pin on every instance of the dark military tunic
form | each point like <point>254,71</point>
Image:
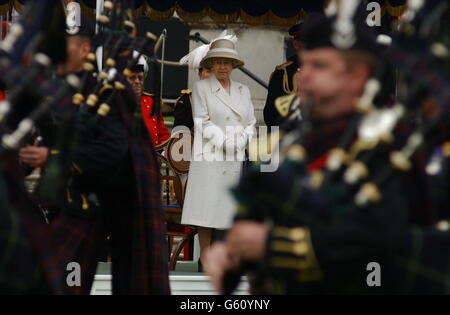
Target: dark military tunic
<point>183,110</point>
<point>320,241</point>
<point>281,82</point>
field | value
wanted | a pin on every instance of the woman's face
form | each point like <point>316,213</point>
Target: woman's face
<point>222,67</point>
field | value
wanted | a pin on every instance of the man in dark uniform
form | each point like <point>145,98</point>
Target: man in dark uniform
<point>318,240</point>
<point>78,47</point>
<point>183,107</point>
<point>28,264</point>
<point>182,112</point>
<point>98,146</point>
<point>282,80</point>
<point>113,190</point>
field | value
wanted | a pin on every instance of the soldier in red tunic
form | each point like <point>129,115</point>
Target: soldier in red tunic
<point>155,123</point>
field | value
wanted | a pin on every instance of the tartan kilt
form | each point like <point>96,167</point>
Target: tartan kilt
<point>26,262</point>
<point>19,268</point>
<point>81,241</point>
<point>150,268</point>
<point>423,266</point>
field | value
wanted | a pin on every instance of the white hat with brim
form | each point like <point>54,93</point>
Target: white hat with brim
<point>221,48</point>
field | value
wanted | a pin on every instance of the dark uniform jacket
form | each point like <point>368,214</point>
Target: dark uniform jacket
<point>183,110</point>
<point>281,82</point>
<point>320,241</point>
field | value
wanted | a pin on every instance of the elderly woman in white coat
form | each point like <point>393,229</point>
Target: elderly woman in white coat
<point>224,122</point>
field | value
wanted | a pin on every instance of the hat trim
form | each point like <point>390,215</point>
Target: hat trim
<point>206,60</point>
<point>228,50</point>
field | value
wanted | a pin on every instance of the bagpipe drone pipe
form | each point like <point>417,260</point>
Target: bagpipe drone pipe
<point>118,38</point>
<point>28,57</point>
<point>101,88</point>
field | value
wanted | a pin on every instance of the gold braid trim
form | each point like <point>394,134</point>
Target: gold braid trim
<point>283,103</point>
<point>286,88</point>
<point>302,256</point>
<point>284,65</point>
<point>183,93</point>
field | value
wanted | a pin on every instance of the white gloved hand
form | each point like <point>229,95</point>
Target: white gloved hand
<point>214,136</point>
<point>235,143</point>
<point>241,142</point>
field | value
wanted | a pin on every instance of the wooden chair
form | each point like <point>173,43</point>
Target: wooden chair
<point>173,187</point>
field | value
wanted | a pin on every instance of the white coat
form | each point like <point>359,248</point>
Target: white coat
<point>222,122</point>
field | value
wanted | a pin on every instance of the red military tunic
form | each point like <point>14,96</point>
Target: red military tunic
<point>156,128</point>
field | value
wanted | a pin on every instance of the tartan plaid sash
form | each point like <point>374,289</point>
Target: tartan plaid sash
<point>149,274</point>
